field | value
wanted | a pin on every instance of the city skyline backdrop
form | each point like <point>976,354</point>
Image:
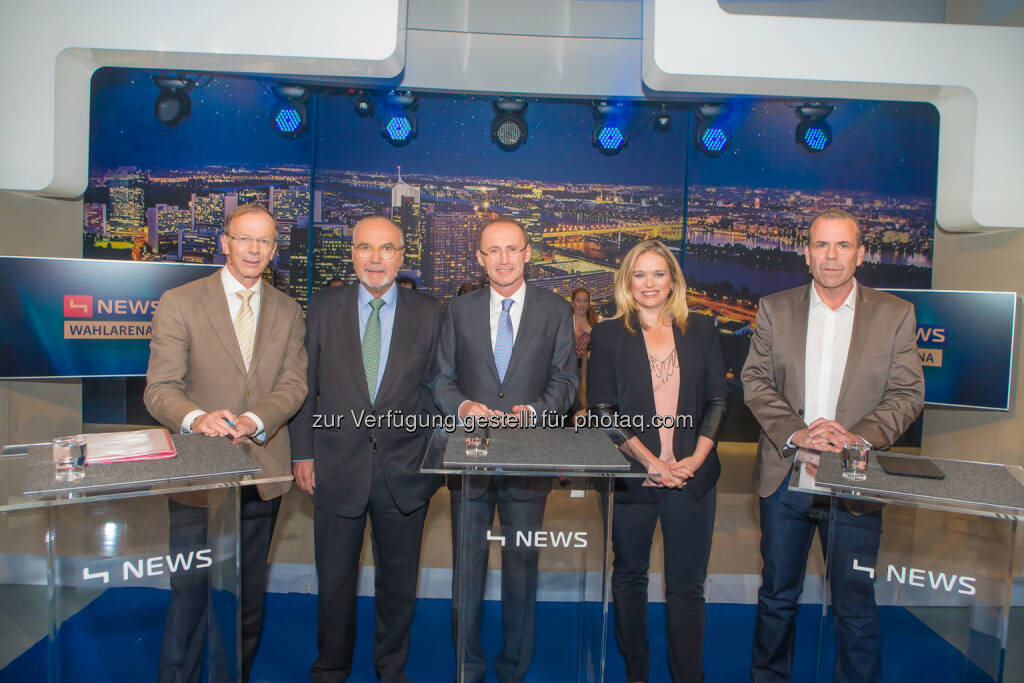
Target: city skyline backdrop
<point>736,222</point>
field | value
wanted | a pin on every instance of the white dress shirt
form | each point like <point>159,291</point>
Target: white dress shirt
<point>515,313</point>
<point>231,286</point>
<point>828,346</point>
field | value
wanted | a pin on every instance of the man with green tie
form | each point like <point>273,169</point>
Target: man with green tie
<point>371,350</point>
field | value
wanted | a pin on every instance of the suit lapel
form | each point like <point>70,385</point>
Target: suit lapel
<point>481,310</point>
<point>858,339</point>
<point>215,304</point>
<point>351,344</point>
<point>801,306</point>
<point>269,309</point>
<point>527,325</point>
<point>403,331</point>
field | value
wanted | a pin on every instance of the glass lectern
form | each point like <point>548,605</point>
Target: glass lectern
<point>85,566</point>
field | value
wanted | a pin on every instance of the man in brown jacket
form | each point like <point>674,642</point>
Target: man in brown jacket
<point>829,362</point>
<point>227,359</point>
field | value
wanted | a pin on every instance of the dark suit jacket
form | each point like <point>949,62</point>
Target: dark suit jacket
<point>337,391</point>
<point>195,364</point>
<point>882,391</point>
<point>620,375</point>
<point>541,371</point>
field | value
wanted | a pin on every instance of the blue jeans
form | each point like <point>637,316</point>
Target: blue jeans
<point>788,522</point>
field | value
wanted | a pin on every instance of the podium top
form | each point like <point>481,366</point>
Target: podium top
<point>528,451</point>
<point>974,488</point>
<point>202,463</point>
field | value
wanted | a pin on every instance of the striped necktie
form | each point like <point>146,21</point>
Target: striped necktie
<point>245,326</point>
<point>503,341</point>
<point>371,348</point>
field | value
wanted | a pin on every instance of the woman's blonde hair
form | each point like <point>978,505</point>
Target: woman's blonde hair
<point>675,311</point>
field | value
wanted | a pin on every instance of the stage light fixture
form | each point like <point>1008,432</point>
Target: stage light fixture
<point>610,133</point>
<point>399,128</point>
<point>362,103</point>
<point>288,117</point>
<point>398,124</point>
<point>712,135</point>
<point>662,121</point>
<point>509,130</point>
<point>173,104</point>
<point>813,132</point>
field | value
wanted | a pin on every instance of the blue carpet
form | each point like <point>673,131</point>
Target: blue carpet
<point>117,638</point>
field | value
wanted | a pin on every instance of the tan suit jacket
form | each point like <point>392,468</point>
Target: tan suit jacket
<point>195,364</point>
<point>882,391</point>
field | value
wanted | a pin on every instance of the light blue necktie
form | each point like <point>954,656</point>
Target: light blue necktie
<point>503,342</point>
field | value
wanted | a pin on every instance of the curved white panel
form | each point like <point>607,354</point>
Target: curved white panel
<point>50,48</point>
<point>971,73</point>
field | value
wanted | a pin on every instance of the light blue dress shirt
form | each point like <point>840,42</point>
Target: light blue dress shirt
<point>387,323</point>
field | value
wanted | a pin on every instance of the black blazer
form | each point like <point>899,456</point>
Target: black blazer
<point>620,375</point>
<point>341,451</point>
<point>541,371</point>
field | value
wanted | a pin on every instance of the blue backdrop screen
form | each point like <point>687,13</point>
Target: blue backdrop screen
<point>81,317</point>
<point>965,340</point>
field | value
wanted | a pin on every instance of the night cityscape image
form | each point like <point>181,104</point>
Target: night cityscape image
<point>737,222</point>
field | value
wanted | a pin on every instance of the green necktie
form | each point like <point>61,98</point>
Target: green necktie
<point>371,348</point>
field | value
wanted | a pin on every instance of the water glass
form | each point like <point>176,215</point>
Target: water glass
<point>855,460</point>
<point>68,458</point>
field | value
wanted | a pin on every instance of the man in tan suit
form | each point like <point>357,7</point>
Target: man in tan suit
<point>829,362</point>
<point>227,359</point>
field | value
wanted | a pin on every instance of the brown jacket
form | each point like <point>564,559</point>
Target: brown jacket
<point>882,391</point>
<point>195,363</point>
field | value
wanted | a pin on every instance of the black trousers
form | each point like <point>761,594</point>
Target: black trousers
<point>396,539</point>
<point>686,528</point>
<point>189,616</point>
<point>518,579</point>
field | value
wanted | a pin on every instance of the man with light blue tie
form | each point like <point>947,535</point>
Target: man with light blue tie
<point>371,349</point>
<point>506,348</point>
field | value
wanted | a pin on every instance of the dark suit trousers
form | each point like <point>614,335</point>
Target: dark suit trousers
<point>518,578</point>
<point>686,529</point>
<point>788,522</point>
<point>396,539</point>
<point>189,617</point>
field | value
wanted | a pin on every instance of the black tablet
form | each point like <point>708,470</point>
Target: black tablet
<point>910,467</point>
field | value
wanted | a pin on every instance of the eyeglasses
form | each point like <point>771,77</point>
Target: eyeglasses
<point>387,251</point>
<point>262,243</point>
<point>496,252</point>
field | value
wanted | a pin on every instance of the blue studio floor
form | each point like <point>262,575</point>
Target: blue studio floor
<point>117,638</point>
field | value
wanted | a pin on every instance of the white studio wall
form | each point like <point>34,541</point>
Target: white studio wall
<point>971,73</point>
<point>591,49</point>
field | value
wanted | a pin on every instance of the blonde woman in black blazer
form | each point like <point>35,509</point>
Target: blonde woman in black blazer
<point>638,358</point>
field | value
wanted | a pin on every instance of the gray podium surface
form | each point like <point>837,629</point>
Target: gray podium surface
<point>538,450</point>
<point>199,458</point>
<point>979,485</point>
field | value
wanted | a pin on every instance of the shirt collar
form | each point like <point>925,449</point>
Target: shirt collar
<point>231,285</point>
<point>519,296</point>
<point>388,297</point>
<point>850,302</point>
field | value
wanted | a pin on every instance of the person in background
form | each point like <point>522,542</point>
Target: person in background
<point>467,287</point>
<point>584,317</point>
<point>405,281</point>
<point>654,359</point>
